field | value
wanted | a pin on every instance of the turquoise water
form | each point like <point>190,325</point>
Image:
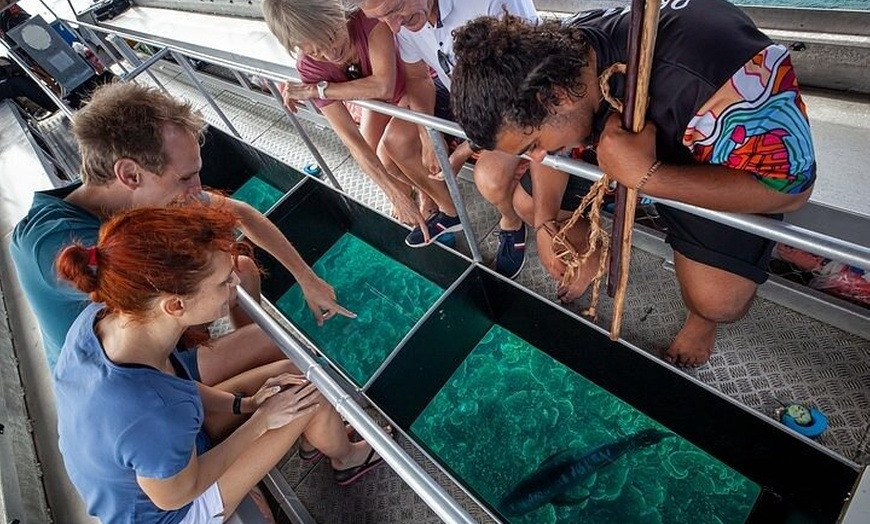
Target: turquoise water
<point>260,194</point>
<point>388,298</point>
<point>509,407</point>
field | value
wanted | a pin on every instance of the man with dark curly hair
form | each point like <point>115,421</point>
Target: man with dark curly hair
<point>726,131</point>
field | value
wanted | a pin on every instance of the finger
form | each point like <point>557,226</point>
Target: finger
<point>307,410</point>
<point>304,391</point>
<point>343,312</point>
<point>423,228</point>
<point>314,398</point>
<point>288,379</point>
<point>318,314</point>
<point>266,393</point>
<point>307,395</point>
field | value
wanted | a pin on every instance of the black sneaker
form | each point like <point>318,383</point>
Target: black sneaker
<point>511,254</point>
<point>439,224</point>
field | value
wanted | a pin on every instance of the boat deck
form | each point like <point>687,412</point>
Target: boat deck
<point>774,352</point>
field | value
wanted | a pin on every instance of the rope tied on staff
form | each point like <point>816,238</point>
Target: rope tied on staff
<point>598,238</point>
<point>643,26</point>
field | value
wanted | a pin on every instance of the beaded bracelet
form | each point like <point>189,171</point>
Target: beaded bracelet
<point>649,173</point>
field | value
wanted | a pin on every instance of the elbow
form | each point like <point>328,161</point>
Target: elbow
<point>795,202</point>
<point>172,502</point>
<point>385,90</point>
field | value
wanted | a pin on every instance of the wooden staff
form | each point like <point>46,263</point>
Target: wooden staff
<point>643,27</point>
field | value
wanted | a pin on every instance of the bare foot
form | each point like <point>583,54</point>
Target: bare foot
<point>576,288</point>
<point>582,279</point>
<point>394,214</point>
<point>693,345</point>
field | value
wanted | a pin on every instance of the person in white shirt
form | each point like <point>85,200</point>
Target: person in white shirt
<point>423,29</point>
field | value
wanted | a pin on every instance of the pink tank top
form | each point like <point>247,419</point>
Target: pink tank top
<point>358,27</point>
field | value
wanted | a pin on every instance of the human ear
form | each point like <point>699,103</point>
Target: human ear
<point>128,172</point>
<point>173,306</point>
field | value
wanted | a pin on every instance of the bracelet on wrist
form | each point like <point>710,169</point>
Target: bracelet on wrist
<point>237,403</point>
<point>649,173</point>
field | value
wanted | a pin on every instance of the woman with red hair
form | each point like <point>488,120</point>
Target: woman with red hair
<point>136,433</point>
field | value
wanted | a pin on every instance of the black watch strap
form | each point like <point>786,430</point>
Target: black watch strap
<point>237,403</point>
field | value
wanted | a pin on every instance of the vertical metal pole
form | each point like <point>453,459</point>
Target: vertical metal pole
<point>240,78</point>
<point>58,101</point>
<point>305,138</point>
<point>453,187</point>
<point>182,61</point>
<point>131,56</point>
<point>143,66</point>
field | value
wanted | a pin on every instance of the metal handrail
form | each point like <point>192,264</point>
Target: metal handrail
<point>820,244</point>
<point>411,472</point>
<point>817,243</point>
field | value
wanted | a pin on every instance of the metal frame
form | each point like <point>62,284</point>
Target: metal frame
<point>834,248</point>
<point>58,101</point>
<point>185,64</point>
<point>305,138</point>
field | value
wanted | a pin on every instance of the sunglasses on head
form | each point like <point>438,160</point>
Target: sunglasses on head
<point>353,72</point>
<point>445,62</point>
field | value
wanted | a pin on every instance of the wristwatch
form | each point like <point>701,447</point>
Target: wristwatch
<point>321,89</point>
<point>237,403</point>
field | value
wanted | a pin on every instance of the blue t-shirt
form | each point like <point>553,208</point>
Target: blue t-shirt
<point>119,421</point>
<point>51,225</point>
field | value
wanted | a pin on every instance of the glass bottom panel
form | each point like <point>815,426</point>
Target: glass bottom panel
<point>387,296</point>
<point>258,193</point>
<point>542,444</point>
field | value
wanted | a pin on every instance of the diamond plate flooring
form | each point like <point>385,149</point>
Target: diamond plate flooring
<point>772,353</point>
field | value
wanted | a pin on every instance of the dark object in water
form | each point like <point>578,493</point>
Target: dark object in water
<point>564,472</point>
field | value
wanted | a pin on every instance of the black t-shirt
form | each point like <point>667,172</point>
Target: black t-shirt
<point>700,45</point>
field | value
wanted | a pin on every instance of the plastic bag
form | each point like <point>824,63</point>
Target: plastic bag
<point>844,281</point>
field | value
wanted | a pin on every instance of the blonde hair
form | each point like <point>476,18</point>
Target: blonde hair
<point>297,22</point>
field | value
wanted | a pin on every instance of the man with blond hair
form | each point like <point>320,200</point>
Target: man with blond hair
<point>140,148</point>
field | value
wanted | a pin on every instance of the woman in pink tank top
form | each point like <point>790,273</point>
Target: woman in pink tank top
<point>343,55</point>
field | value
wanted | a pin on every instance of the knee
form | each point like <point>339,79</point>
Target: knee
<point>398,142</point>
<point>382,152</point>
<point>722,308</point>
<point>492,184</point>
